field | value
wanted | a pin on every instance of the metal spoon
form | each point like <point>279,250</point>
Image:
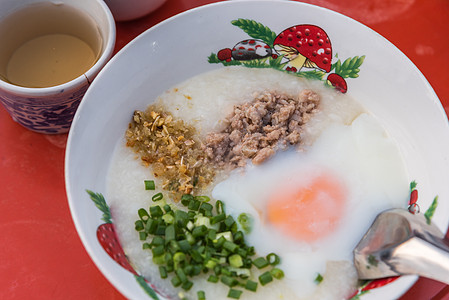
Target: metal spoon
<point>402,243</point>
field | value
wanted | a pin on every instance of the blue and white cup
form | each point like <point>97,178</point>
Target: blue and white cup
<point>51,109</point>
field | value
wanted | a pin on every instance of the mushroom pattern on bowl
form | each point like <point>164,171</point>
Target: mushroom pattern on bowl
<point>305,46</point>
<point>292,50</point>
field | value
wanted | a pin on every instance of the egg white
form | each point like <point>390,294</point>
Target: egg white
<point>368,164</point>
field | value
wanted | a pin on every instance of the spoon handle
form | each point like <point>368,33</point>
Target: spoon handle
<point>426,256</point>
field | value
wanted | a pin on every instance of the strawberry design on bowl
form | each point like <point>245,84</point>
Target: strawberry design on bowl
<point>108,240</point>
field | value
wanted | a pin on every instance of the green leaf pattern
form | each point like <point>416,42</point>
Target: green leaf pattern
<point>101,204</point>
<point>256,30</point>
<point>144,285</point>
<point>431,210</point>
<point>350,68</point>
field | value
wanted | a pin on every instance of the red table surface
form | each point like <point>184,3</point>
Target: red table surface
<point>41,255</point>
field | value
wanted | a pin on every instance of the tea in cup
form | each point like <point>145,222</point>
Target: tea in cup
<point>51,51</point>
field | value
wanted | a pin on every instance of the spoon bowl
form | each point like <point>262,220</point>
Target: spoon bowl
<point>402,243</point>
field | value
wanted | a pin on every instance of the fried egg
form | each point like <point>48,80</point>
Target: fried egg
<point>311,207</point>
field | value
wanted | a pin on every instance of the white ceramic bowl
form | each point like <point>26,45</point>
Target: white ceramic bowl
<point>389,85</point>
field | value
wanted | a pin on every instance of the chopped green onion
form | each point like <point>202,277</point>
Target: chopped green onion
<point>196,256</point>
<point>251,251</point>
<point>217,270</point>
<point>229,221</point>
<point>168,218</point>
<point>185,199</point>
<point>219,207</point>
<point>150,226</point>
<point>234,294</point>
<point>181,218</point>
<point>160,229</point>
<point>175,281</point>
<point>201,249</point>
<point>163,271</point>
<point>149,185</point>
<point>184,245</point>
<point>187,285</point>
<point>265,278</point>
<point>139,225</point>
<point>227,235</point>
<point>206,207</point>
<point>167,208</point>
<point>202,198</point>
<point>219,242</point>
<point>201,295</point>
<point>188,270</point>
<point>178,258</point>
<point>190,225</point>
<point>242,272</point>
<point>180,273</point>
<point>238,237</point>
<point>201,220</point>
<point>260,262</point>
<point>217,218</point>
<point>277,273</point>
<point>158,250</point>
<point>191,214</point>
<point>194,205</point>
<point>273,259</point>
<point>210,264</point>
<point>173,246</point>
<point>213,278</point>
<point>197,270</point>
<point>143,235</point>
<point>318,278</point>
<point>170,233</point>
<point>156,211</point>
<point>157,240</point>
<point>212,234</point>
<point>169,261</point>
<point>229,281</point>
<point>196,240</point>
<point>159,260</point>
<point>230,246</point>
<point>157,197</point>
<point>199,231</point>
<point>242,252</point>
<point>251,285</point>
<point>170,268</point>
<point>190,238</point>
<point>234,227</point>
<point>235,260</point>
<point>143,215</point>
<point>246,222</point>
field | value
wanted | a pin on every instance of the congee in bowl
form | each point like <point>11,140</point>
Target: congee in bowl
<point>252,165</point>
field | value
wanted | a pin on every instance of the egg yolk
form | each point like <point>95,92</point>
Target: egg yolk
<point>308,212</point>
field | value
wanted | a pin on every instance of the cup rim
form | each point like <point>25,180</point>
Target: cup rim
<point>84,78</point>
